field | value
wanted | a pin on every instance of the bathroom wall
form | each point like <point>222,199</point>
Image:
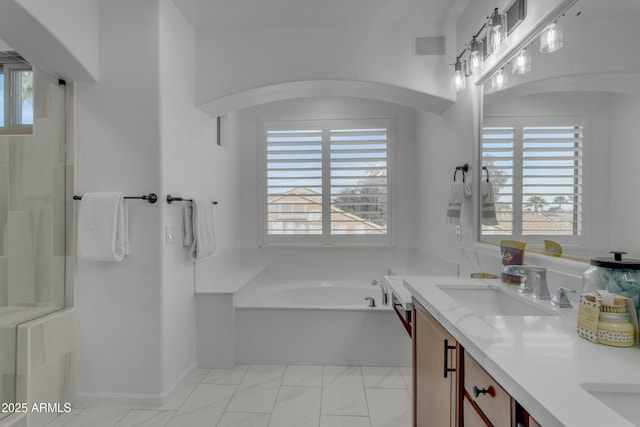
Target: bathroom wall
<point>193,165</point>
<point>59,37</point>
<point>120,304</point>
<point>360,52</point>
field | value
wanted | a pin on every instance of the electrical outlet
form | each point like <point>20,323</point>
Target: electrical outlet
<point>459,232</point>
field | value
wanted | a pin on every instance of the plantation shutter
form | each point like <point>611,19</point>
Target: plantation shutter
<point>326,182</point>
<point>359,184</point>
<point>293,182</point>
<point>536,167</point>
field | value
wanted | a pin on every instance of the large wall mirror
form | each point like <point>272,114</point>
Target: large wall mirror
<point>561,143</point>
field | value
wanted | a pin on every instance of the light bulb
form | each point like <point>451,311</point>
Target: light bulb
<point>521,64</point>
<point>498,80</point>
<point>458,79</point>
<point>551,38</point>
<point>475,56</point>
<point>496,32</point>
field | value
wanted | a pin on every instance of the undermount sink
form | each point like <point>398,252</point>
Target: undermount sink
<point>495,302</point>
<point>622,398</point>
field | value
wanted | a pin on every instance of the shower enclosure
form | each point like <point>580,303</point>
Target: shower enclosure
<point>32,204</point>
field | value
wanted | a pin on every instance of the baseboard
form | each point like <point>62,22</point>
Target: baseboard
<point>135,399</point>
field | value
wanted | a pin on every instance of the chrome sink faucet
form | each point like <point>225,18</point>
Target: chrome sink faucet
<point>536,281</point>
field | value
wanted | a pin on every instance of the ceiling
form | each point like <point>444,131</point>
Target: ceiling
<point>206,15</point>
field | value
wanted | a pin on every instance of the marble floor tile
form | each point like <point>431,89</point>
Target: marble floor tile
<point>297,406</point>
<point>406,372</point>
<point>258,390</point>
<point>99,416</point>
<point>145,418</point>
<point>382,377</point>
<point>204,406</point>
<point>344,421</point>
<point>243,419</point>
<point>63,419</point>
<point>303,376</point>
<point>389,407</point>
<point>226,376</point>
<point>343,391</point>
<point>181,393</point>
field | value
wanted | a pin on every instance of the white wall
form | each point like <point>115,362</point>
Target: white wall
<point>405,182</point>
<point>120,304</point>
<point>625,175</point>
<point>253,57</point>
<point>59,37</point>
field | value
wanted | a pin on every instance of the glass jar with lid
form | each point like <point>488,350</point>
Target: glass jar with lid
<point>615,275</point>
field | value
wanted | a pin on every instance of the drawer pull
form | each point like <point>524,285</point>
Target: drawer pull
<point>478,391</point>
<point>447,347</point>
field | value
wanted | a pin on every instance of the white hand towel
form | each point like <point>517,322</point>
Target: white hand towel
<point>103,227</point>
<point>488,213</point>
<point>456,197</point>
<point>188,225</point>
<point>204,243</point>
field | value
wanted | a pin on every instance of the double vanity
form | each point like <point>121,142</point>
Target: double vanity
<point>486,354</point>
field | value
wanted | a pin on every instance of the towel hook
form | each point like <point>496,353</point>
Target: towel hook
<point>464,168</point>
<point>486,169</point>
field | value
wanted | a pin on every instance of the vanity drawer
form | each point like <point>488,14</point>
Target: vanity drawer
<point>495,403</point>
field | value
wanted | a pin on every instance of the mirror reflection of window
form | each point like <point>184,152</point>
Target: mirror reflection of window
<point>536,168</point>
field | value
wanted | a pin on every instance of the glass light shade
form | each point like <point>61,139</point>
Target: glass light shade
<point>496,32</point>
<point>521,64</point>
<point>475,59</point>
<point>499,80</point>
<point>551,38</point>
<point>458,78</point>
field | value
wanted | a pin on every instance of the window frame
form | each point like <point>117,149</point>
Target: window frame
<point>10,128</point>
<point>519,123</point>
<point>325,239</point>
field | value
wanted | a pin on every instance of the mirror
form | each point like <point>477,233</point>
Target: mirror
<point>561,142</point>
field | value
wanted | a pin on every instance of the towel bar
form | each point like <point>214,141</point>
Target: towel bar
<point>151,197</point>
<point>171,199</point>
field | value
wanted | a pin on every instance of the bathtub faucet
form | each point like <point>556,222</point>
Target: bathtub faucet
<point>384,300</point>
<point>372,302</point>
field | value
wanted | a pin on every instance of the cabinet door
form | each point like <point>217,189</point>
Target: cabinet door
<point>434,371</point>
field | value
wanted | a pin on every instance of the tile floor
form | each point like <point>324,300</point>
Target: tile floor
<point>268,396</point>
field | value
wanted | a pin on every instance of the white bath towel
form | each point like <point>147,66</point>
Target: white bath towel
<point>103,229</point>
<point>203,234</point>
<point>488,213</point>
<point>456,197</point>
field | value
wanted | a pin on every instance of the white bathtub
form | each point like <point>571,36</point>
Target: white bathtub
<point>309,294</point>
<point>317,322</point>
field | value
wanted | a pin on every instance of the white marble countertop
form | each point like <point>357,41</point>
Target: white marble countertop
<point>539,360</point>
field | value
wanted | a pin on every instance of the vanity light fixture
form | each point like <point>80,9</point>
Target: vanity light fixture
<point>496,32</point>
<point>551,38</point>
<point>490,38</point>
<point>521,63</point>
<point>475,60</point>
<point>458,79</point>
<point>498,80</point>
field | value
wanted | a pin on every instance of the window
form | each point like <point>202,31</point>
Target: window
<point>536,168</point>
<point>16,99</point>
<point>325,182</point>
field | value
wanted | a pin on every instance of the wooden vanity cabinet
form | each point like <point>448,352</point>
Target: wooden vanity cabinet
<point>435,372</point>
<point>450,388</point>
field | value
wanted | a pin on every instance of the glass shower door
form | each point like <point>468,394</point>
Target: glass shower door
<point>32,205</point>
